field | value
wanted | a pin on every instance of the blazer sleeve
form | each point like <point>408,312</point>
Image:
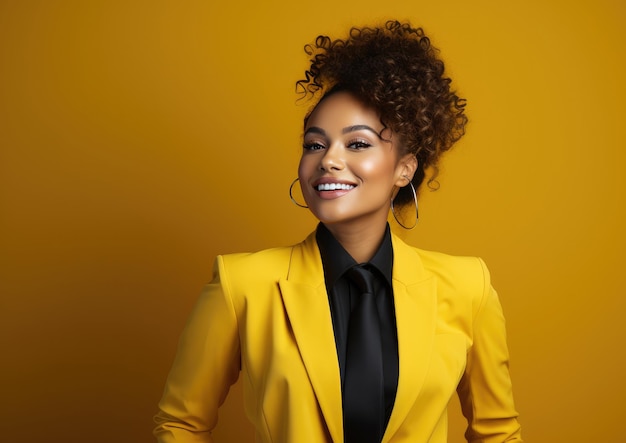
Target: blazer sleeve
<point>207,363</point>
<point>485,388</point>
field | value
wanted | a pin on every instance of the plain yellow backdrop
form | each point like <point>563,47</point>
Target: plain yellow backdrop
<point>138,139</point>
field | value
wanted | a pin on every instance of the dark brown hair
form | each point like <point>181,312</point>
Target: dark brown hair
<point>395,70</point>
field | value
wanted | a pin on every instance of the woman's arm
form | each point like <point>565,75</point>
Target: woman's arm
<point>485,389</point>
<point>207,364</point>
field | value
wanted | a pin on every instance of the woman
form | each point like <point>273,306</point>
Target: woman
<point>352,335</point>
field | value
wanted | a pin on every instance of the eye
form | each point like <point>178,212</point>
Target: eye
<point>358,145</point>
<point>312,146</point>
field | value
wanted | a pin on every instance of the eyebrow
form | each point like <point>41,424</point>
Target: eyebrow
<point>346,130</point>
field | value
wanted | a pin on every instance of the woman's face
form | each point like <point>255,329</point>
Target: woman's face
<point>348,172</point>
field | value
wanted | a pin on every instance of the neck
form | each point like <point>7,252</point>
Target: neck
<point>361,241</point>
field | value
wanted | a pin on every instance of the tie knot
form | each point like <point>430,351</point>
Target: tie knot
<point>362,278</point>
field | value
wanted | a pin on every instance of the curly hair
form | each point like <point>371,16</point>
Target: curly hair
<point>395,70</point>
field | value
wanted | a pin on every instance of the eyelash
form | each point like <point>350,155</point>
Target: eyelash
<point>313,146</point>
<point>360,144</point>
<point>355,145</point>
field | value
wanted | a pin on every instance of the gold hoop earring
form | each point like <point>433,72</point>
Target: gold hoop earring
<point>414,199</point>
<point>291,194</point>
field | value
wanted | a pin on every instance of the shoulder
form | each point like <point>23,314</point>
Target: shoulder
<point>250,275</point>
<point>267,262</point>
<point>463,268</point>
<point>438,264</point>
<point>265,256</point>
<point>272,264</point>
<point>458,279</point>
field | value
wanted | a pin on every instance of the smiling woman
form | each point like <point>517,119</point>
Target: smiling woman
<point>351,168</point>
<point>353,335</point>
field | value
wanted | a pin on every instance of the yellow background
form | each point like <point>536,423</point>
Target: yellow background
<point>138,139</point>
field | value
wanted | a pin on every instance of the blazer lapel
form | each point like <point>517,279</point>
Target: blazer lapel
<point>306,302</point>
<point>415,304</point>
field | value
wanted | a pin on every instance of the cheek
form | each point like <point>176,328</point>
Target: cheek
<point>302,168</point>
<point>306,170</point>
<point>376,168</point>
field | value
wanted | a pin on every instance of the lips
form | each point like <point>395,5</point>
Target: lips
<point>334,186</point>
<point>328,183</point>
<point>330,188</point>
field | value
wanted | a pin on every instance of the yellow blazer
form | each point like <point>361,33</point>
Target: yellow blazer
<point>266,315</point>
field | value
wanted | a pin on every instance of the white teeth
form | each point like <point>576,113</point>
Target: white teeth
<point>333,186</point>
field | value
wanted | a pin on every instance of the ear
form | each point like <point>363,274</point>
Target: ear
<point>406,168</point>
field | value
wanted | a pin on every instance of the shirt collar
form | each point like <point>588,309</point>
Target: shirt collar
<point>336,260</point>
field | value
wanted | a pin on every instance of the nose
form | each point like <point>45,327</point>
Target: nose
<point>332,159</point>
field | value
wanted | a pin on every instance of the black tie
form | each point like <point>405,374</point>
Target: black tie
<point>363,395</point>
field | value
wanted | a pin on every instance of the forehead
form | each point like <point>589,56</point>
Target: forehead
<point>343,109</point>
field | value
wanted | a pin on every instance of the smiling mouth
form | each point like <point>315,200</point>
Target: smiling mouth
<point>334,187</point>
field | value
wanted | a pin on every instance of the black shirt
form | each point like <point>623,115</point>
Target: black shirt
<point>343,295</point>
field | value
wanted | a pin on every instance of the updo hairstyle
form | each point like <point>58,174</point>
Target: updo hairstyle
<point>395,70</point>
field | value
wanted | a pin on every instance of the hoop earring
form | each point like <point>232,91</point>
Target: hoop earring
<point>291,195</point>
<point>414,199</point>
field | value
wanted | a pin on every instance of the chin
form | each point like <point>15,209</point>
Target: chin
<point>329,219</point>
<point>338,219</point>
